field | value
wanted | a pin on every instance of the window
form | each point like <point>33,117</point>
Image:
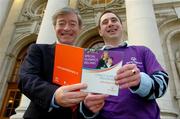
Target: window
<point>13,99</point>
<point>97,45</point>
<point>95,42</point>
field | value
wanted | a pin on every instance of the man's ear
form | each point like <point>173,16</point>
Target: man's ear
<point>54,26</point>
<point>80,29</point>
<point>100,32</point>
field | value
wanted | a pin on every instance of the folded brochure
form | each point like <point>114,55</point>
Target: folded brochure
<point>96,68</point>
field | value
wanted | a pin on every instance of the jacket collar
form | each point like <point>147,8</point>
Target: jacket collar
<point>108,47</point>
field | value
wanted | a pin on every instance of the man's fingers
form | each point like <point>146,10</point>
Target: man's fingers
<point>126,67</point>
<point>91,103</point>
<point>75,87</point>
<point>127,73</point>
<point>75,101</point>
<point>97,107</point>
<point>96,97</point>
<point>92,99</point>
<point>63,96</point>
<point>129,84</point>
<point>126,80</point>
<point>75,94</point>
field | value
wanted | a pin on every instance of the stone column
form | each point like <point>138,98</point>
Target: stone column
<point>46,36</point>
<point>142,30</point>
<point>142,27</point>
<point>4,9</point>
<point>5,39</point>
<point>8,29</point>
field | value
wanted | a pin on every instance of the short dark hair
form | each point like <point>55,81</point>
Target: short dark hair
<point>66,10</point>
<point>107,11</point>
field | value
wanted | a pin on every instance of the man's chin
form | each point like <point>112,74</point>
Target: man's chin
<point>114,37</point>
<point>69,42</point>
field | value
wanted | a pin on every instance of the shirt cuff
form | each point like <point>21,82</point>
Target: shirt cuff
<point>53,104</point>
<point>85,116</point>
<point>145,85</point>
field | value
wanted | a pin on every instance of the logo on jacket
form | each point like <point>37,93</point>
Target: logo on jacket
<point>134,61</point>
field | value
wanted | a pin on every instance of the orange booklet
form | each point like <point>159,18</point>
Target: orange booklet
<point>68,64</point>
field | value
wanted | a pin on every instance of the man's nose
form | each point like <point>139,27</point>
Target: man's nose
<point>67,27</point>
<point>110,23</point>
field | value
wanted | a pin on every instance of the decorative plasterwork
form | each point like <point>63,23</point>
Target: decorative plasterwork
<point>30,19</point>
<point>89,11</point>
<point>33,9</point>
<point>163,15</point>
<point>165,11</point>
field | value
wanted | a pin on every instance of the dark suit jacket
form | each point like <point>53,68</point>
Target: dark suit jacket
<point>35,82</point>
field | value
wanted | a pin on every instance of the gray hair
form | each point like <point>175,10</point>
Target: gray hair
<point>66,10</point>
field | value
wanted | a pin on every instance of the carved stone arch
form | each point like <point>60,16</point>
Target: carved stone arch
<point>16,49</point>
<point>167,21</point>
<point>21,42</point>
<point>170,37</point>
<point>169,31</point>
<point>173,44</point>
<point>89,38</point>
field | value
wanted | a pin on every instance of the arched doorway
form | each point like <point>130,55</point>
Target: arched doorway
<point>12,96</point>
<point>95,42</point>
<point>90,39</point>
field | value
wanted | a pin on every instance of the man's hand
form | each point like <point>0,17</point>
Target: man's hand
<point>128,76</point>
<point>95,102</point>
<point>68,96</point>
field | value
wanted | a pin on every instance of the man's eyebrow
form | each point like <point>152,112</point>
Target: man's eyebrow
<point>63,20</point>
<point>110,18</point>
<point>114,18</point>
<point>73,21</point>
<point>104,19</point>
<point>59,20</point>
